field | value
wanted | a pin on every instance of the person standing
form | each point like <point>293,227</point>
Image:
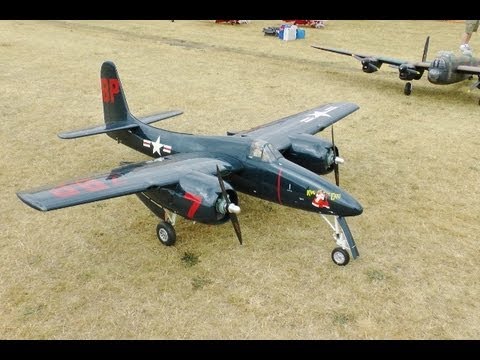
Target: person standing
<point>471,26</point>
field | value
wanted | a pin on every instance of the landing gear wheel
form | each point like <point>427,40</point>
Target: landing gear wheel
<point>408,88</point>
<point>166,233</point>
<point>340,256</point>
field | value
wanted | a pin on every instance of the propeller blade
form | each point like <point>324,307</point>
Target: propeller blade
<point>236,227</point>
<point>231,208</point>
<point>425,49</point>
<point>335,162</point>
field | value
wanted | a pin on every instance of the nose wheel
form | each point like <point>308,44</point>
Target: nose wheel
<point>343,239</point>
<point>340,256</point>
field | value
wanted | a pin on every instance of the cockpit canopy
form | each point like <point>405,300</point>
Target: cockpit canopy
<point>263,151</point>
<point>439,63</point>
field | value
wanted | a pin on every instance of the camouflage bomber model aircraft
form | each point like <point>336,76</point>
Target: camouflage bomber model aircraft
<point>197,177</point>
<point>446,68</point>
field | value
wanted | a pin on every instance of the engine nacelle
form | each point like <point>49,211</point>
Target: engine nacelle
<point>408,72</point>
<point>370,65</point>
<point>197,197</point>
<point>312,153</point>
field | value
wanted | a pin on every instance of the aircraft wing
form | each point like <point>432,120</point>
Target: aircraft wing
<point>307,122</point>
<point>124,180</point>
<point>379,59</point>
<point>466,69</point>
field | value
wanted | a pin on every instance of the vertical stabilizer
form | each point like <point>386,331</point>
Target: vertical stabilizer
<point>115,106</point>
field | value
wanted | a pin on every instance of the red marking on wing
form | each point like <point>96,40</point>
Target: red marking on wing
<point>64,191</point>
<point>86,185</point>
<point>196,201</point>
<point>279,192</point>
<point>92,185</point>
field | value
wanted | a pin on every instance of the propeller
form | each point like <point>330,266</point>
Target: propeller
<point>425,49</point>
<point>335,164</point>
<point>230,207</point>
<point>336,161</point>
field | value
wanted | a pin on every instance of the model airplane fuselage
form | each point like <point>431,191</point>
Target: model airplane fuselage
<point>197,176</point>
<point>446,68</point>
<point>443,70</point>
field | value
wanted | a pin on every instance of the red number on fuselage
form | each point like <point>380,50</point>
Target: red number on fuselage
<point>196,201</point>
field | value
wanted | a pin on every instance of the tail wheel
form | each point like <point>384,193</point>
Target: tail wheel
<point>407,90</point>
<point>340,256</point>
<point>166,233</point>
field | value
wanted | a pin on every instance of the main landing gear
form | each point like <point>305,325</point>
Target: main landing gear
<point>344,240</point>
<point>407,90</point>
<point>165,228</point>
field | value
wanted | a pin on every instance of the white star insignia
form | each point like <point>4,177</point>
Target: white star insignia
<point>157,146</point>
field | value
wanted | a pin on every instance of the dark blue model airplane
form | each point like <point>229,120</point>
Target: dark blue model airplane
<point>197,177</point>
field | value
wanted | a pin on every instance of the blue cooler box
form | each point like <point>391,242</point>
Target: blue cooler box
<point>300,34</point>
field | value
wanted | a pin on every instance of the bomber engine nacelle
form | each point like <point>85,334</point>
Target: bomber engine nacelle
<point>370,65</point>
<point>197,197</point>
<point>312,153</point>
<point>409,72</point>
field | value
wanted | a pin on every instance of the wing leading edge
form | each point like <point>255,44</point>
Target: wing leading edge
<point>124,180</point>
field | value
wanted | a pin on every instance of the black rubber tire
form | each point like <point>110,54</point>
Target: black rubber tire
<point>340,256</point>
<point>166,233</point>
<point>407,90</point>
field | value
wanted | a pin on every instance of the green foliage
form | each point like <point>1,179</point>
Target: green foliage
<point>190,259</point>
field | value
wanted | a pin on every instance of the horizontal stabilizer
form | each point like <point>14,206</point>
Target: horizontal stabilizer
<point>160,116</point>
<point>101,129</point>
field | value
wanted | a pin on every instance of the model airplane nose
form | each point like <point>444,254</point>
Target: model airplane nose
<point>347,206</point>
<point>434,75</point>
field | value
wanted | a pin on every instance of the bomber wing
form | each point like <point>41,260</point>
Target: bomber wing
<point>307,122</point>
<point>423,65</point>
<point>466,69</point>
<point>124,180</point>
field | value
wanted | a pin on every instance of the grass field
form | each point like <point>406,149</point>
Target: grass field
<point>97,271</point>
